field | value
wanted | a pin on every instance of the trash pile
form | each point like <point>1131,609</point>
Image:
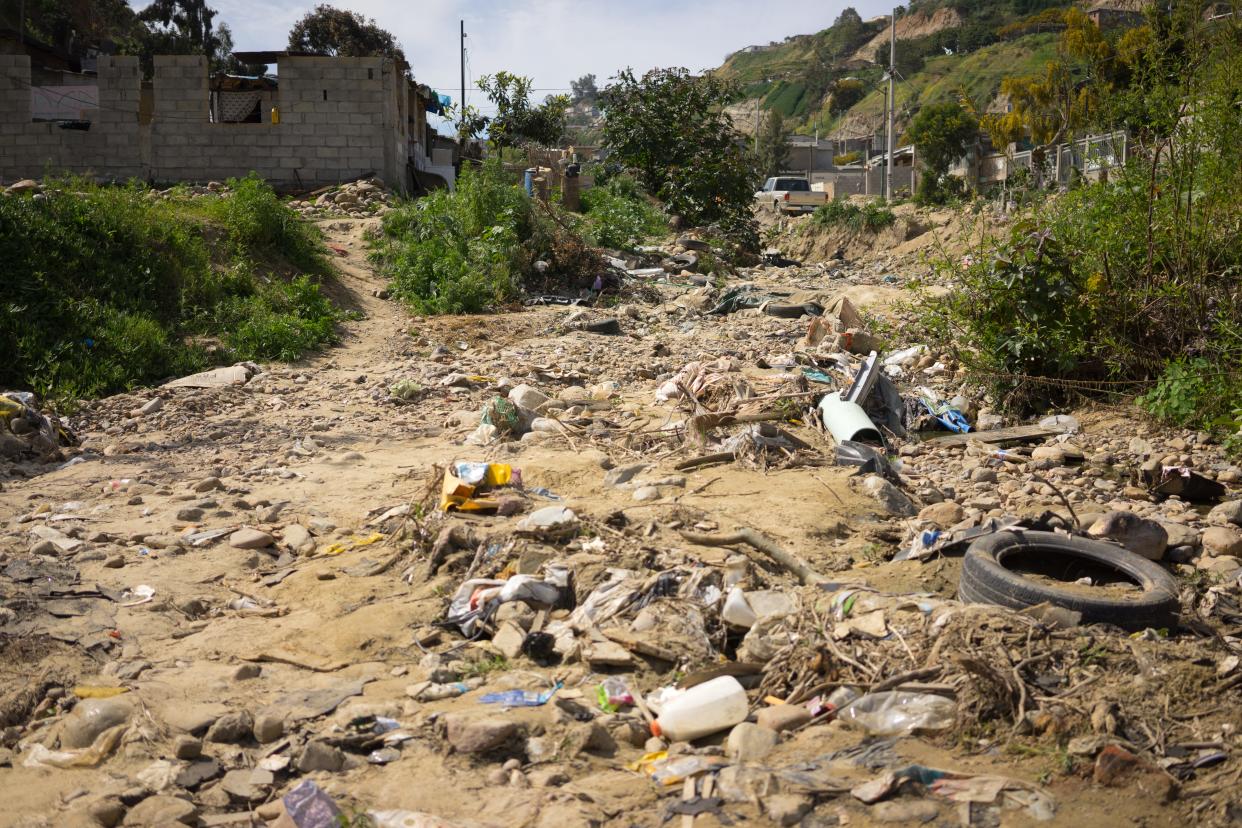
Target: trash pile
<point>25,432</point>
<point>709,548</point>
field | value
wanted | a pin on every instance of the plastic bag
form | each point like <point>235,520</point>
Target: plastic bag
<point>307,806</point>
<point>613,694</point>
<point>898,713</point>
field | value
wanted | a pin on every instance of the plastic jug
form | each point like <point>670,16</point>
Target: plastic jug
<point>702,710</point>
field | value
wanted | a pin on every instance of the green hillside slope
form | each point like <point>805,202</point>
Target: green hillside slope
<point>830,81</point>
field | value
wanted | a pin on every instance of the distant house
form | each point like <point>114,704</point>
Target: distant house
<point>1116,14</point>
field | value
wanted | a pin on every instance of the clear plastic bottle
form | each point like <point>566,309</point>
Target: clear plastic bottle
<point>702,710</point>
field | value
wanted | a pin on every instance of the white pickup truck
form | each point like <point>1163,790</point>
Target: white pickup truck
<point>784,194</point>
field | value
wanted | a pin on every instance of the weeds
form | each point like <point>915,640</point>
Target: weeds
<point>481,669</point>
<point>475,249</point>
<point>872,216</point>
<point>109,285</point>
<point>619,215</point>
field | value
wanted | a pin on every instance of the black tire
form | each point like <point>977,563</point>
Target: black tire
<point>985,580</point>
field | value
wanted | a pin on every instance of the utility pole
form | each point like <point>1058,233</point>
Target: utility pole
<point>463,73</point>
<point>892,72</point>
<point>756,126</point>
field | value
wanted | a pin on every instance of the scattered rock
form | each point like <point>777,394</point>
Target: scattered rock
<point>160,812</point>
<point>298,539</point>
<point>749,742</point>
<point>528,397</point>
<point>152,406</point>
<point>889,496</point>
<point>1222,540</point>
<point>247,538</point>
<point>905,811</point>
<point>1228,512</point>
<point>1141,536</point>
<point>231,728</point>
<point>781,717</point>
<point>268,728</point>
<point>247,671</point>
<point>943,514</point>
<point>241,784</point>
<point>187,747</point>
<point>108,811</point>
<point>478,735</point>
<point>197,772</point>
<point>786,809</point>
<point>318,756</point>
<point>508,639</point>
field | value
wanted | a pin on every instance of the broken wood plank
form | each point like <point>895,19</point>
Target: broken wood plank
<point>997,436</point>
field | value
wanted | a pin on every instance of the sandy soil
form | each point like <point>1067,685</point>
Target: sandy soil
<point>318,621</point>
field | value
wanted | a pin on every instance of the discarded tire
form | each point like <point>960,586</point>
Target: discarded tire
<point>986,580</point>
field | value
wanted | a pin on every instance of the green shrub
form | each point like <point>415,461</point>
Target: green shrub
<point>872,216</point>
<point>619,215</point>
<point>258,224</point>
<point>475,249</point>
<point>461,251</point>
<point>107,286</point>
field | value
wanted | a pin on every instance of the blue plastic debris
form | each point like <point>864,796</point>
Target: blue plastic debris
<point>521,698</point>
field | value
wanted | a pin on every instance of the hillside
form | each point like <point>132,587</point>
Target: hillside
<point>830,81</point>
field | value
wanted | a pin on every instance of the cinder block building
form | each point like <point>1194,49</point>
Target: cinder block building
<point>319,121</point>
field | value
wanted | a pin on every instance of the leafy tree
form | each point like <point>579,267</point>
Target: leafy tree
<point>584,90</point>
<point>181,27</point>
<point>338,32</point>
<point>773,144</point>
<point>1067,96</point>
<point>671,128</point>
<point>517,122</point>
<point>187,25</point>
<point>846,93</point>
<point>72,25</point>
<point>941,134</point>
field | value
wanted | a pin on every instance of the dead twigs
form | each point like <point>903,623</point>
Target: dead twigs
<point>787,560</point>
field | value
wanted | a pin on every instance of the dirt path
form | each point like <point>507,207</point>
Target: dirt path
<point>312,454</point>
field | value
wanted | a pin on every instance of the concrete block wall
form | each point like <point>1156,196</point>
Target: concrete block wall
<point>109,150</point>
<point>339,118</point>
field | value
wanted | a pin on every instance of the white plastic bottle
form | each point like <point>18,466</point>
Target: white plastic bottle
<point>702,710</point>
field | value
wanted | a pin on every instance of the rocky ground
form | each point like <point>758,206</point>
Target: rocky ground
<point>226,592</point>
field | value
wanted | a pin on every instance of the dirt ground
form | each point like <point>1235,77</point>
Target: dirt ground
<point>320,446</point>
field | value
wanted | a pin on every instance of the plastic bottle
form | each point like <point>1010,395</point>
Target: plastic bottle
<point>702,710</point>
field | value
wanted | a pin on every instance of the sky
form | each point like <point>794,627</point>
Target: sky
<point>551,41</point>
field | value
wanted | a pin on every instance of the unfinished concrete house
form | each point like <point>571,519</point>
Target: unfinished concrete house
<point>318,121</point>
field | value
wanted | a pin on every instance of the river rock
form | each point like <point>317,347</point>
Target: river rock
<point>1141,536</point>
<point>231,728</point>
<point>943,514</point>
<point>478,735</point>
<point>749,742</point>
<point>1228,512</point>
<point>247,538</point>
<point>889,496</point>
<point>1222,540</point>
<point>161,812</point>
